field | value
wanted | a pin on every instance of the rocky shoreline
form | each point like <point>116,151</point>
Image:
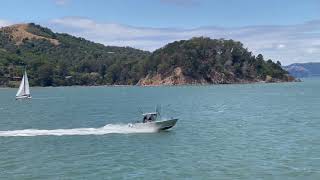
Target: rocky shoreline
<point>166,84</point>
<point>178,78</point>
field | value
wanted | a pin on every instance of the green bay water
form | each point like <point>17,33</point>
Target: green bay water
<point>251,131</point>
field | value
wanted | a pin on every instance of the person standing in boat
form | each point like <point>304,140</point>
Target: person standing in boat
<point>144,119</point>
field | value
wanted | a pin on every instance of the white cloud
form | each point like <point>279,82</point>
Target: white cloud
<point>4,23</point>
<point>61,2</point>
<point>294,43</point>
<point>281,46</point>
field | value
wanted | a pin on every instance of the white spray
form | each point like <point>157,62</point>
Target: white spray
<point>107,129</point>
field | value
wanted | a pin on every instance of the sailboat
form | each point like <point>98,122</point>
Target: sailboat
<point>24,89</point>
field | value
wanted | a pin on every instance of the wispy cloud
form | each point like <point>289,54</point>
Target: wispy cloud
<point>294,43</point>
<point>183,3</point>
<point>4,23</point>
<point>61,2</point>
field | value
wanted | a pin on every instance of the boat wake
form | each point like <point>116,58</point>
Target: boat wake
<point>47,98</point>
<point>107,129</point>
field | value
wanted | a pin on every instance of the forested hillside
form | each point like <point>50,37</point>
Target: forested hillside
<point>207,61</point>
<point>55,59</point>
<point>62,59</point>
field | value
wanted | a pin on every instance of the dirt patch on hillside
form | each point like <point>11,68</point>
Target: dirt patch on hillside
<point>19,33</point>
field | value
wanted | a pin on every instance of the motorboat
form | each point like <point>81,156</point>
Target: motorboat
<point>153,120</point>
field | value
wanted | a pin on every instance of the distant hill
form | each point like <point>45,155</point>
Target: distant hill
<point>304,69</point>
<point>58,59</point>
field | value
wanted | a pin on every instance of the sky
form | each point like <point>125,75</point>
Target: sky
<point>284,30</point>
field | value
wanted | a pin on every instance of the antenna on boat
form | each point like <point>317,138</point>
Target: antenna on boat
<point>158,110</point>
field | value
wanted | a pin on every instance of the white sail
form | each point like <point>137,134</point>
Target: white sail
<point>27,88</point>
<point>21,88</point>
<point>24,90</point>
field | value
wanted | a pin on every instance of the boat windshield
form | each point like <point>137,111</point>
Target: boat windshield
<point>148,117</point>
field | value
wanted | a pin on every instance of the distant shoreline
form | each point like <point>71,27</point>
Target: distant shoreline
<point>164,85</point>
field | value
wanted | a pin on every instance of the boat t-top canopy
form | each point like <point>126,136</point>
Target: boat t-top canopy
<point>150,113</point>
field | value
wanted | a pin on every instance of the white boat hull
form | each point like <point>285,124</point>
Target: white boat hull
<point>23,97</point>
<point>159,125</point>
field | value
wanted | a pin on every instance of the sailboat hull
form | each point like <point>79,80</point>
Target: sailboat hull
<point>23,97</point>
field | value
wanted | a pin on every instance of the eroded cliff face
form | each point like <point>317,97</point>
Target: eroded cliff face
<point>174,78</point>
